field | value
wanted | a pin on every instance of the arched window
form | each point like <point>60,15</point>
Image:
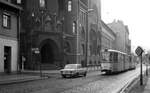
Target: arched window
<point>74,27</point>
<point>67,47</point>
<point>83,33</point>
<point>83,49</point>
<point>42,3</point>
<point>69,6</point>
<point>93,42</point>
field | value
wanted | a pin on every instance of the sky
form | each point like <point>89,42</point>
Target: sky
<point>135,14</point>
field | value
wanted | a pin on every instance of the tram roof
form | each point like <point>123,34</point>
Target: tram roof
<point>111,50</point>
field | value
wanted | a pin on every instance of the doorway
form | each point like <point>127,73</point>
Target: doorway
<point>7,59</point>
<point>47,54</point>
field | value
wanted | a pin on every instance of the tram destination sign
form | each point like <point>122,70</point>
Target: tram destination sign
<point>139,51</point>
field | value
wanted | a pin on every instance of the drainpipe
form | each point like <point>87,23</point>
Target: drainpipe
<point>18,37</point>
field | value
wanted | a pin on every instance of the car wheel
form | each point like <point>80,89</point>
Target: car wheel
<point>85,74</point>
<point>77,74</point>
<point>64,76</point>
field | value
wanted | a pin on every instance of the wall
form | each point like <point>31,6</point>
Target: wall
<point>9,36</point>
<point>4,41</point>
<point>94,32</point>
<point>122,35</point>
<point>12,32</point>
<point>108,37</point>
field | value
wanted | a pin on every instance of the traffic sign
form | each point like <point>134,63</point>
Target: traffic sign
<point>139,51</point>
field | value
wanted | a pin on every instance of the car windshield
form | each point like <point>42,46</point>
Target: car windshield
<point>71,66</point>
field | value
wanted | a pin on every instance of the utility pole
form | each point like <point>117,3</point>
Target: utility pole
<point>141,75</point>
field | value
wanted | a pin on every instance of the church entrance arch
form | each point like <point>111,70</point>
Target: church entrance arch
<point>49,52</point>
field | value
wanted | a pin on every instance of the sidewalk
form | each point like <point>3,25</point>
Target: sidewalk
<point>43,71</point>
<point>30,75</point>
<point>26,75</point>
<point>147,87</point>
<point>17,78</point>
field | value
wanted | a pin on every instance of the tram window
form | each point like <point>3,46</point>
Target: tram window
<point>130,58</point>
<point>115,57</point>
<point>111,57</point>
<point>105,56</point>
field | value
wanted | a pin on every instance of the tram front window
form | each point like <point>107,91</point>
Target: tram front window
<point>113,57</point>
<point>105,56</point>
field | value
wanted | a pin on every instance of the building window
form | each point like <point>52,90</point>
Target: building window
<point>83,50</point>
<point>82,33</point>
<point>67,47</point>
<point>69,6</point>
<point>18,1</point>
<point>8,0</point>
<point>42,3</point>
<point>15,1</point>
<point>74,27</point>
<point>6,20</point>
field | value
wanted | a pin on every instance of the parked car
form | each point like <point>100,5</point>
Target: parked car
<point>73,70</point>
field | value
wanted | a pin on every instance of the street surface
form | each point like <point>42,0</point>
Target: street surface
<point>95,82</point>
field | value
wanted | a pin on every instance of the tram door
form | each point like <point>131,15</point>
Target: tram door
<point>7,59</point>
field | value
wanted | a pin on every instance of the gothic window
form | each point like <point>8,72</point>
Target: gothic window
<point>83,33</point>
<point>67,47</point>
<point>69,6</point>
<point>93,42</point>
<point>83,49</point>
<point>42,3</point>
<point>74,27</point>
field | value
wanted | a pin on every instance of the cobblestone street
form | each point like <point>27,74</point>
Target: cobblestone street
<point>95,82</point>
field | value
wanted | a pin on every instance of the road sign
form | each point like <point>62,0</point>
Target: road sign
<point>139,51</point>
<point>36,50</point>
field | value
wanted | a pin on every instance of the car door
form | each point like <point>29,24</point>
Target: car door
<point>81,70</point>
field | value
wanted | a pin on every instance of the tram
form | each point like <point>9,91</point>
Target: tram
<point>116,61</point>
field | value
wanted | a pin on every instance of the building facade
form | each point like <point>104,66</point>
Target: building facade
<point>122,42</point>
<point>94,32</point>
<point>42,38</point>
<point>59,32</point>
<point>108,37</point>
<point>9,35</point>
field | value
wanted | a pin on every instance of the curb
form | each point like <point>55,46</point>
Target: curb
<point>21,80</point>
<point>129,85</point>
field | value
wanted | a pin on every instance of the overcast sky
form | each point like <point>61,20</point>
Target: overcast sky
<point>135,14</point>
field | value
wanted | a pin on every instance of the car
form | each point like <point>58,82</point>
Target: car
<point>71,70</point>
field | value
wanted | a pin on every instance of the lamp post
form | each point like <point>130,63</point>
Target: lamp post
<point>19,41</point>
